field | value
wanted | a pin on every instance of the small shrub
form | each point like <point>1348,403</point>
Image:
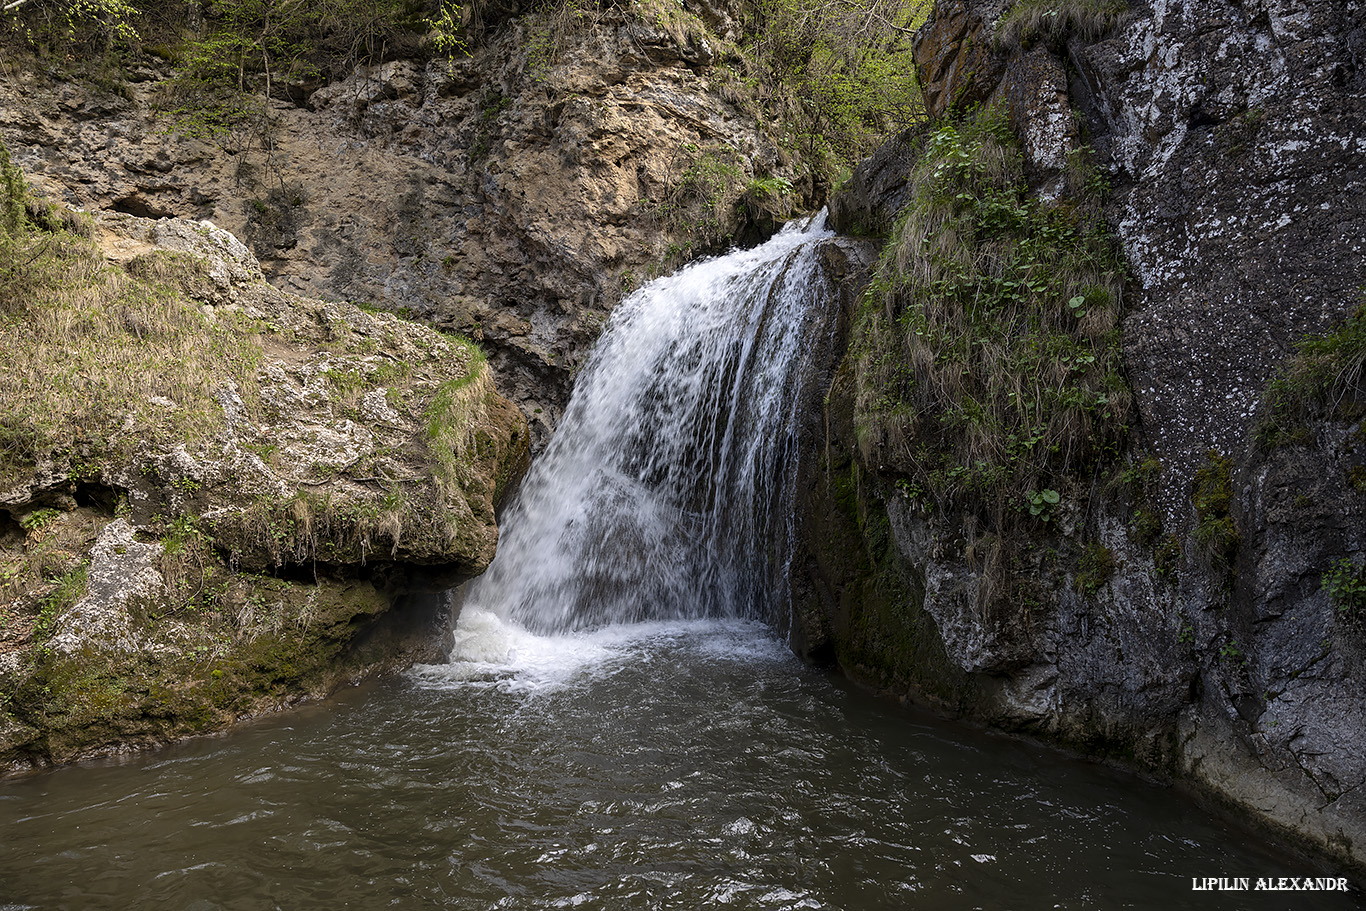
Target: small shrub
<point>1346,592</point>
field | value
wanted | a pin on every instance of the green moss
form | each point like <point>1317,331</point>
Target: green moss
<point>282,641</point>
<point>1094,569</point>
<point>1321,381</point>
<point>1212,494</point>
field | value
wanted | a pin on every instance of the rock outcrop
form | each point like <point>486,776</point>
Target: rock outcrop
<point>195,538</point>
<point>512,195</point>
<point>1191,612</point>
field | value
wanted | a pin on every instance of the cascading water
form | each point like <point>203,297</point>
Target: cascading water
<point>667,490</point>
<point>690,762</point>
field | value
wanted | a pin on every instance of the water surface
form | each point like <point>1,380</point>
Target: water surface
<point>670,765</point>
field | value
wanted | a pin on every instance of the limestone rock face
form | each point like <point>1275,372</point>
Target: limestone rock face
<point>512,195</point>
<point>1234,137</point>
<point>186,561</point>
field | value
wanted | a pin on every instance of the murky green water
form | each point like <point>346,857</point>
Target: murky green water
<point>684,766</point>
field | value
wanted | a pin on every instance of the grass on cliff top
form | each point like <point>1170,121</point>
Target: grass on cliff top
<point>1053,22</point>
<point>93,350</point>
<point>987,352</point>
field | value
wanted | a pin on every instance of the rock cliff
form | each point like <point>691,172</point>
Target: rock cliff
<point>213,492</point>
<point>512,194</point>
<point>1187,601</point>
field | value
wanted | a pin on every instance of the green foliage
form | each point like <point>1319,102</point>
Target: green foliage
<point>1321,381</point>
<point>1167,556</point>
<point>1096,567</point>
<point>845,73</point>
<point>1041,503</point>
<point>65,592</point>
<point>73,22</point>
<point>1052,22</point>
<point>1212,494</point>
<point>12,195</point>
<point>253,49</point>
<point>34,521</point>
<point>1346,590</point>
<point>987,351</point>
<point>448,31</point>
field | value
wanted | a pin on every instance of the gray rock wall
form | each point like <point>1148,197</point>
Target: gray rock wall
<point>1234,138</point>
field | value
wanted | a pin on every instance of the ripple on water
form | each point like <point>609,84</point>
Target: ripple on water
<point>684,765</point>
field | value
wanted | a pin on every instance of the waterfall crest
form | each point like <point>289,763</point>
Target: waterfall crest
<point>667,490</point>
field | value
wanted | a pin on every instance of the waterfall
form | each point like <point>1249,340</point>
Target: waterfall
<point>667,491</point>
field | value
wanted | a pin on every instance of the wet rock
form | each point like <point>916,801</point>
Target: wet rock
<point>1233,139</point>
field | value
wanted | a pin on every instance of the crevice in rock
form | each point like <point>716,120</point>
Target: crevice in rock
<point>136,205</point>
<point>102,498</point>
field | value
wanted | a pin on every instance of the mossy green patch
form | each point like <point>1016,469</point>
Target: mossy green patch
<point>1212,495</point>
<point>1321,381</point>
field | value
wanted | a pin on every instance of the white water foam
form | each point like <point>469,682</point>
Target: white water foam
<point>663,504</point>
<point>495,653</point>
<point>666,492</point>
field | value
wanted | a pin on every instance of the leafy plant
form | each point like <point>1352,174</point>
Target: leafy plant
<point>844,73</point>
<point>987,362</point>
<point>1346,591</point>
<point>1041,503</point>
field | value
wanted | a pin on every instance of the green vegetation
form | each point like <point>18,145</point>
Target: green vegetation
<point>1321,381</point>
<point>90,345</point>
<point>1212,494</point>
<point>842,73</point>
<point>1052,22</point>
<point>74,21</point>
<point>252,50</point>
<point>987,352</point>
<point>452,413</point>
<point>1095,568</point>
<point>1346,588</point>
